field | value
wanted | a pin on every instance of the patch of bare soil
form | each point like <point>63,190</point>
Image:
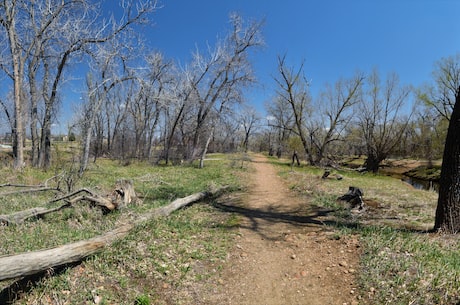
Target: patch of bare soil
<point>284,253</point>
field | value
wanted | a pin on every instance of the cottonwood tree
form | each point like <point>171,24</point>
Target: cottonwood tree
<point>13,22</point>
<point>333,113</point>
<point>109,71</point>
<point>149,102</point>
<point>280,125</point>
<point>293,91</point>
<point>447,217</point>
<point>176,117</point>
<point>249,121</point>
<point>381,117</point>
<point>218,79</point>
<point>41,39</point>
<point>321,124</point>
<point>442,94</point>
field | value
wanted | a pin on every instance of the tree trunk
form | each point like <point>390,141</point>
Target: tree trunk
<point>372,163</point>
<point>448,209</point>
<point>33,262</point>
<point>44,159</point>
<point>33,117</point>
<point>206,146</point>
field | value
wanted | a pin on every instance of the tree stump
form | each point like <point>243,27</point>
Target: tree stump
<point>124,193</point>
<point>354,196</point>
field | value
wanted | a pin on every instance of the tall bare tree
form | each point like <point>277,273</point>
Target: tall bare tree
<point>149,102</point>
<point>318,125</point>
<point>381,117</point>
<point>219,78</point>
<point>293,91</point>
<point>42,37</point>
<point>12,13</point>
<point>249,121</point>
<point>280,126</point>
<point>333,114</point>
<point>441,95</point>
<point>109,71</point>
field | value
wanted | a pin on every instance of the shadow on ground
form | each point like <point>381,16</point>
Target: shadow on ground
<point>312,218</point>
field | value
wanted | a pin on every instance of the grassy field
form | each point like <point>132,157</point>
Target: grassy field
<point>158,263</point>
<point>401,261</point>
<point>166,261</point>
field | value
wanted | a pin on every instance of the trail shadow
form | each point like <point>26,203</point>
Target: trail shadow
<point>313,217</point>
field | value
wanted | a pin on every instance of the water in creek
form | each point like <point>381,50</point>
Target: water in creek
<point>422,184</point>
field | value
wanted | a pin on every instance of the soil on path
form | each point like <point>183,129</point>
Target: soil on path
<point>284,253</point>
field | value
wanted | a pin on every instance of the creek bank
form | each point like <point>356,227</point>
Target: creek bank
<point>418,173</point>
<point>424,177</point>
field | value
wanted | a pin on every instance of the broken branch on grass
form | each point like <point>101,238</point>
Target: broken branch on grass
<point>30,190</point>
<point>122,195</point>
<point>34,262</point>
<point>21,216</point>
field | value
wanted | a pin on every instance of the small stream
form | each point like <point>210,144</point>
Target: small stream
<point>421,184</point>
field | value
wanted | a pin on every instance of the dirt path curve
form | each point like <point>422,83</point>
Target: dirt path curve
<point>284,253</point>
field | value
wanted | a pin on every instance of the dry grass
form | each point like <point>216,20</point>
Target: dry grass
<point>401,262</point>
<point>160,262</point>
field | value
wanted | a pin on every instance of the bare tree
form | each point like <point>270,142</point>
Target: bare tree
<point>11,15</point>
<point>334,112</point>
<point>219,78</point>
<point>293,91</point>
<point>249,121</point>
<point>42,37</point>
<point>109,62</point>
<point>147,106</point>
<point>381,117</point>
<point>441,96</point>
<point>280,126</point>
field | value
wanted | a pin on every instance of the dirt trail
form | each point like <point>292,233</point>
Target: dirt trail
<point>284,253</point>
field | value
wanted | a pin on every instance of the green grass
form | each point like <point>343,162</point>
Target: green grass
<point>159,262</point>
<point>163,261</point>
<point>402,267</point>
<point>401,263</point>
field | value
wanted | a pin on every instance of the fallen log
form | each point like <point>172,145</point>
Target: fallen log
<point>21,216</point>
<point>122,195</point>
<point>31,190</point>
<point>29,263</point>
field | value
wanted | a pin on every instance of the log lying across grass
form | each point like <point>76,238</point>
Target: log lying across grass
<point>122,195</point>
<point>38,261</point>
<point>21,216</point>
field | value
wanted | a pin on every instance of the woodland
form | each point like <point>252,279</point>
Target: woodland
<point>140,105</point>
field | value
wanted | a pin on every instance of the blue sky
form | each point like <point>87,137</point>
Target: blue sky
<point>334,38</point>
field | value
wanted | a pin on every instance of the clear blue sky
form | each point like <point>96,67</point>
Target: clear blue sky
<point>333,37</point>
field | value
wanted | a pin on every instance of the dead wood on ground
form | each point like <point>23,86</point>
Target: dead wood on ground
<point>38,261</point>
<point>122,195</point>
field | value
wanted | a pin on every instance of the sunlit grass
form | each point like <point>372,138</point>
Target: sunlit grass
<point>154,258</point>
<point>401,263</point>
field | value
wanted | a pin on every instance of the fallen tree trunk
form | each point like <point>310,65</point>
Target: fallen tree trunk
<point>122,195</point>
<point>21,216</point>
<point>31,190</point>
<point>33,262</point>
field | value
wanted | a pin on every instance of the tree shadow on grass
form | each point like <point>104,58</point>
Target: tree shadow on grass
<point>315,218</point>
